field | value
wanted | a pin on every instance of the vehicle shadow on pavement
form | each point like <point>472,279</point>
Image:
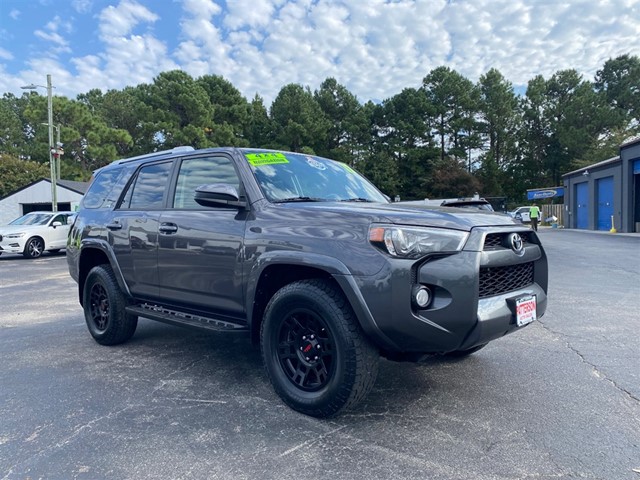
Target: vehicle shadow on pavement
<point>403,389</point>
<point>227,364</point>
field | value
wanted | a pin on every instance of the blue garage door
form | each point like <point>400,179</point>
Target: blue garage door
<point>582,202</point>
<point>605,202</point>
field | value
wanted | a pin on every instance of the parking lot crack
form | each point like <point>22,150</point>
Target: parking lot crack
<point>77,430</point>
<point>311,442</point>
<point>80,428</point>
<point>181,369</point>
<point>596,371</point>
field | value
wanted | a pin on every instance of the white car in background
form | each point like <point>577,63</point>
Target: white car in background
<point>36,232</point>
<point>521,213</point>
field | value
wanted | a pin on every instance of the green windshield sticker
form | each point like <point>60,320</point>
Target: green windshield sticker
<point>346,167</point>
<point>267,158</point>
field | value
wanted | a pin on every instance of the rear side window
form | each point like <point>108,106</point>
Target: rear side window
<point>146,191</point>
<point>98,195</point>
<point>195,172</point>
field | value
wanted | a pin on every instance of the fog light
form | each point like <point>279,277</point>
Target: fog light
<point>422,296</point>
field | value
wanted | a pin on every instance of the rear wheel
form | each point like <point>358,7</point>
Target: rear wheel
<point>314,351</point>
<point>33,248</point>
<point>104,308</point>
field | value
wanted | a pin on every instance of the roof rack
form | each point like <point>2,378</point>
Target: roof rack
<point>180,149</point>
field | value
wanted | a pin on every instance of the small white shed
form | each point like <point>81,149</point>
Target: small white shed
<point>37,196</point>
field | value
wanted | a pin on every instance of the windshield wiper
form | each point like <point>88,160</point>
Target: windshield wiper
<point>299,199</point>
<point>357,199</point>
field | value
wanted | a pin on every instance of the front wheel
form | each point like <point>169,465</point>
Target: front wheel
<point>315,353</point>
<point>104,308</point>
<point>33,248</point>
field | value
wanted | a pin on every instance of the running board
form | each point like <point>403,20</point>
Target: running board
<point>173,317</point>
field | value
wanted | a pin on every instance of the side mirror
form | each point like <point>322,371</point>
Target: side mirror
<point>56,224</point>
<point>218,194</point>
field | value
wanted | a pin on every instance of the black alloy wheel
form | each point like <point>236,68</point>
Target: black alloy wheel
<point>306,350</point>
<point>314,351</point>
<point>105,308</point>
<point>99,307</point>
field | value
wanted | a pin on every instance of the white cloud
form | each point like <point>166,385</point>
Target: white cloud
<point>51,37</point>
<point>120,21</point>
<point>250,13</point>
<point>82,6</point>
<point>204,49</point>
<point>90,67</point>
<point>62,79</point>
<point>201,8</point>
<point>5,54</point>
<point>14,14</point>
<point>375,47</point>
<point>523,39</point>
<point>59,24</point>
<point>136,59</point>
<point>50,34</point>
<point>128,58</point>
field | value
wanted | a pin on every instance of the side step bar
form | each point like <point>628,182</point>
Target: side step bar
<point>173,317</point>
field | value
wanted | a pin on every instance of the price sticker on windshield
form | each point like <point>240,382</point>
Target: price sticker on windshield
<point>267,158</point>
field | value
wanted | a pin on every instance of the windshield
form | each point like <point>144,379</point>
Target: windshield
<point>32,219</point>
<point>474,206</point>
<point>296,177</point>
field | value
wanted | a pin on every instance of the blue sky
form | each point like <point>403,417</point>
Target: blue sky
<point>373,47</point>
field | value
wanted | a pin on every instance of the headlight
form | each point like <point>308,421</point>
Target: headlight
<point>15,235</point>
<point>412,242</point>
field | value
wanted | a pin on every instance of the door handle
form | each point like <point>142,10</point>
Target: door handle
<point>114,226</point>
<point>168,228</point>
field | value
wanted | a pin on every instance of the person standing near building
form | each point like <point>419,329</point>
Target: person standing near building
<point>534,215</point>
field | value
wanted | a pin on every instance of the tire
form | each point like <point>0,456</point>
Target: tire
<point>104,308</point>
<point>312,316</point>
<point>464,353</point>
<point>33,248</point>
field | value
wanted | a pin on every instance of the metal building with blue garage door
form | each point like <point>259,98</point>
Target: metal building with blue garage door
<point>605,195</point>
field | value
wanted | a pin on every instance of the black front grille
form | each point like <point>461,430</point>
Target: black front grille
<point>498,280</point>
<point>495,241</point>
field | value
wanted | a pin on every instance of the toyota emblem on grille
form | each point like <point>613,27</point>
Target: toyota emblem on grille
<point>517,245</point>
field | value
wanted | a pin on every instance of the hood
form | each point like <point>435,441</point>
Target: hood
<point>6,229</point>
<point>414,215</point>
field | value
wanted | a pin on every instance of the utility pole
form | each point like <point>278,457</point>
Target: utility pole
<point>52,164</point>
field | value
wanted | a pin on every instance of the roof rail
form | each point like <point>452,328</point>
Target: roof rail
<point>183,148</point>
<point>180,149</point>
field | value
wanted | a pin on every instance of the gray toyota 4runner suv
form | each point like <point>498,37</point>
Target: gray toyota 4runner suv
<point>307,257</point>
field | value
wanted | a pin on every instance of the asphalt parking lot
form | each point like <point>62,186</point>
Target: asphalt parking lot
<point>558,400</point>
